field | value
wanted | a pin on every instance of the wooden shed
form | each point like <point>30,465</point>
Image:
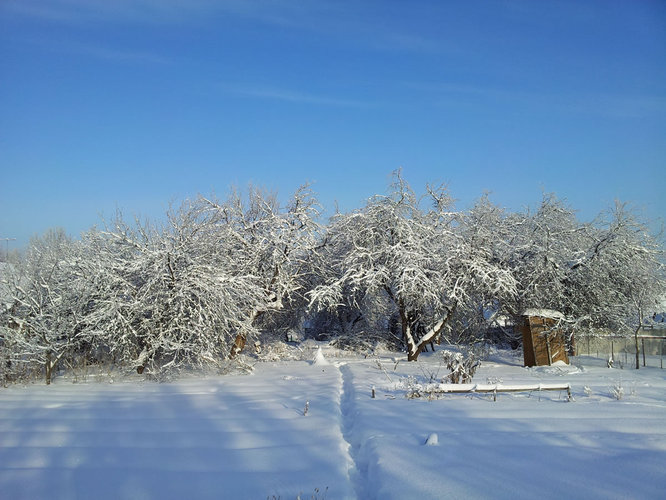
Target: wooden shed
<point>543,341</point>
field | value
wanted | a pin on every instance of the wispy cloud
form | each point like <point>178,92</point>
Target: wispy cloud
<point>59,11</point>
<point>626,106</point>
<point>350,22</point>
<point>85,11</point>
<point>118,55</point>
<point>158,11</point>
<point>295,96</point>
<point>584,101</point>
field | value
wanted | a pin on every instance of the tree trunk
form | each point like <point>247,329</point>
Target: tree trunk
<point>413,352</point>
<point>238,346</point>
<point>638,363</point>
<point>414,348</point>
<point>48,368</point>
<point>241,338</point>
<point>638,329</point>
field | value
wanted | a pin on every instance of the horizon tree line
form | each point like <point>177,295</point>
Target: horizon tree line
<point>406,270</point>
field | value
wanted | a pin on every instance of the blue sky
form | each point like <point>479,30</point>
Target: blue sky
<point>135,104</point>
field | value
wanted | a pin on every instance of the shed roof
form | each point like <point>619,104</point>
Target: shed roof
<point>543,313</point>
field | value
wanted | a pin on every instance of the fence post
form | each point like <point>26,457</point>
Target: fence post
<point>643,347</point>
<point>612,351</point>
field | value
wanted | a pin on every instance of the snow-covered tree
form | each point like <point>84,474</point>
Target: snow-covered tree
<point>604,274</point>
<point>414,258</point>
<point>621,277</point>
<point>195,289</point>
<point>486,230</point>
<point>217,274</point>
<point>543,247</point>
<point>45,320</point>
<point>266,247</point>
<point>353,317</point>
<point>168,301</point>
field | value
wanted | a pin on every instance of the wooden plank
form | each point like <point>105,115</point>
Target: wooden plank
<point>494,389</point>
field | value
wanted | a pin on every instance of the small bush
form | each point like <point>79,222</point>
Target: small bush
<point>617,391</point>
<point>462,367</point>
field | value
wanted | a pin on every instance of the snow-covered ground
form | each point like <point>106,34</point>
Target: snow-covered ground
<point>252,437</point>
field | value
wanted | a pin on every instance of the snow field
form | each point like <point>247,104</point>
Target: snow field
<point>523,445</point>
<point>239,437</point>
<point>231,437</point>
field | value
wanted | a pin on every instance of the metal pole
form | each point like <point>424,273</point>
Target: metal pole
<point>7,240</point>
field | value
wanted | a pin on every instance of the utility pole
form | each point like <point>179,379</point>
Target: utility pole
<point>7,240</point>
